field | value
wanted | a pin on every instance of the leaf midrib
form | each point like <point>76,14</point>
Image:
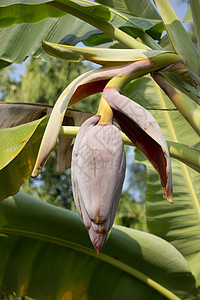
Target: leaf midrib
<point>103,257</point>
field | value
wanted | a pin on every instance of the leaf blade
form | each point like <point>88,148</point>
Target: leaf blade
<point>174,223</point>
<point>178,36</point>
<point>50,225</point>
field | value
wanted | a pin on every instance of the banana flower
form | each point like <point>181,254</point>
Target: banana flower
<point>98,160</point>
<point>97,170</point>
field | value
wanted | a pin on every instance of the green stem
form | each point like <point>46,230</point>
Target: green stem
<point>188,155</point>
<point>146,39</point>
<point>189,109</point>
<point>105,111</point>
<point>107,28</point>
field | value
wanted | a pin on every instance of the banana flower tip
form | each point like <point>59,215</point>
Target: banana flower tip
<point>97,250</point>
<point>168,195</point>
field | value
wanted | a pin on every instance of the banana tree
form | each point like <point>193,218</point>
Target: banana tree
<point>151,88</point>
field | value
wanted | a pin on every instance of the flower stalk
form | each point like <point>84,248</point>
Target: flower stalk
<point>105,111</point>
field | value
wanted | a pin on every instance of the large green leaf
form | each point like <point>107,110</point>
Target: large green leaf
<point>15,49</point>
<point>13,140</point>
<point>16,12</point>
<point>27,13</point>
<point>178,223</point>
<point>178,36</point>
<point>135,26</point>
<point>19,146</point>
<point>46,253</point>
<point>95,14</point>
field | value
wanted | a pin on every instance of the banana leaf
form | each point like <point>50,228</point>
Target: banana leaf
<point>178,223</point>
<point>178,36</point>
<point>16,12</point>
<point>46,254</point>
<point>15,49</point>
<point>54,28</point>
<point>19,145</point>
<point>58,25</point>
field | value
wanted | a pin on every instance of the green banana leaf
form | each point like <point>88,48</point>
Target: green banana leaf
<point>46,254</point>
<point>178,223</point>
<point>178,36</point>
<point>25,12</point>
<point>55,25</point>
<point>13,140</point>
<point>15,49</point>
<point>19,147</point>
<point>13,12</point>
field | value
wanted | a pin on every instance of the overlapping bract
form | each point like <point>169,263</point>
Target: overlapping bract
<point>98,170</point>
<point>98,162</point>
<point>145,133</point>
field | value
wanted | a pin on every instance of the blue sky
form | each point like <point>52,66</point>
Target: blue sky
<point>179,7</point>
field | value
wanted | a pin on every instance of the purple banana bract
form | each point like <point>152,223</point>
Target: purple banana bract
<point>98,170</point>
<point>145,133</point>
